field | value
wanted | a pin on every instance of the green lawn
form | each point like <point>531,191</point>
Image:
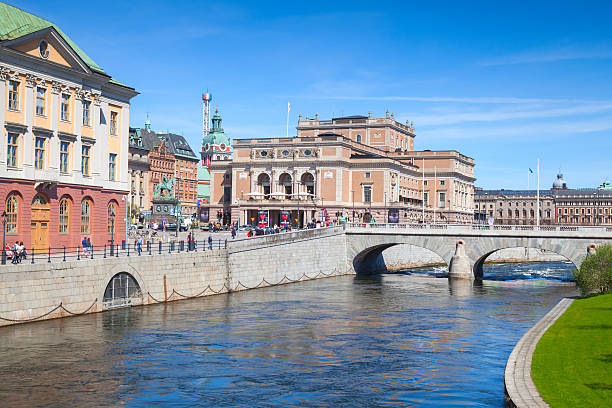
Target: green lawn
<point>572,363</point>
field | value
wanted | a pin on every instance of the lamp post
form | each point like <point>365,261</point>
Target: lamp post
<point>112,232</point>
<point>448,213</point>
<point>385,209</point>
<point>3,237</point>
<point>353,196</point>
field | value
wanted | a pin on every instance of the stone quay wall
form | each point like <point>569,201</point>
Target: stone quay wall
<point>31,292</point>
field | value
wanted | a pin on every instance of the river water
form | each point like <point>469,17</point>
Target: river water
<point>397,340</point>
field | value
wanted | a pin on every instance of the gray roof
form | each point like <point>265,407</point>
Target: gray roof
<point>175,144</point>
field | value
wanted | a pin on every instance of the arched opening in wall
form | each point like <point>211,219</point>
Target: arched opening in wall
<point>122,290</point>
<point>524,263</point>
<point>263,184</point>
<point>308,183</point>
<point>286,182</point>
<point>395,257</point>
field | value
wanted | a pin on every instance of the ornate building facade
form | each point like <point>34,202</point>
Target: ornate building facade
<point>64,140</point>
<point>354,168</point>
<point>559,205</point>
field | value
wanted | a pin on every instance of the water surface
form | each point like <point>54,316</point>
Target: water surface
<point>397,340</point>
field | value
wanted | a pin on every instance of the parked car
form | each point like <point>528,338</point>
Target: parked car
<point>245,228</point>
<point>171,226</point>
<point>183,227</point>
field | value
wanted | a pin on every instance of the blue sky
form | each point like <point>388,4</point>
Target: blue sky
<point>503,83</point>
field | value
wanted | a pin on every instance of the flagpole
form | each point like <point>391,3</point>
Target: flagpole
<point>423,191</point>
<point>435,192</point>
<point>538,198</point>
<point>288,110</point>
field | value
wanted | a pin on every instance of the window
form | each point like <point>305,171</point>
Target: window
<point>39,153</point>
<point>65,107</point>
<point>64,212</point>
<point>11,215</point>
<point>113,123</point>
<point>367,194</point>
<point>64,147</point>
<point>358,139</point>
<point>367,174</point>
<point>442,202</point>
<point>442,182</point>
<point>112,164</point>
<point>12,149</point>
<point>86,112</point>
<point>425,182</point>
<point>426,197</point>
<point>85,212</point>
<point>40,101</point>
<point>110,219</point>
<point>85,160</point>
<point>13,102</point>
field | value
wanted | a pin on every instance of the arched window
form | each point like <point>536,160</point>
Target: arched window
<point>85,213</point>
<point>110,219</point>
<point>64,212</point>
<point>358,139</point>
<point>11,214</point>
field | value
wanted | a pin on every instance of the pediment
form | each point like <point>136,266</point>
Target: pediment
<point>58,50</point>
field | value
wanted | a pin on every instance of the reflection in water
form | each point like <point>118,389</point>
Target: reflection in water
<point>390,340</point>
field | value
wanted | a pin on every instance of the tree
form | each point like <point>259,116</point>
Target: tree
<point>595,273</point>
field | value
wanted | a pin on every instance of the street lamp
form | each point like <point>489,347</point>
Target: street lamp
<point>3,237</point>
<point>385,208</point>
<point>112,231</point>
<point>353,194</point>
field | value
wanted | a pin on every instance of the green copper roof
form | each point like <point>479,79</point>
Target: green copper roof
<point>216,136</point>
<point>15,23</point>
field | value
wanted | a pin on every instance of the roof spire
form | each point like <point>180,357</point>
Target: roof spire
<point>148,123</point>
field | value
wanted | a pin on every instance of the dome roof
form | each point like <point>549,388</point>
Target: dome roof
<point>216,136</point>
<point>559,183</point>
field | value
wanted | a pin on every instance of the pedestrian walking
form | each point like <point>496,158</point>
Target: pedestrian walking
<point>209,242</point>
<point>15,253</point>
<point>233,232</point>
<point>139,244</point>
<point>22,251</point>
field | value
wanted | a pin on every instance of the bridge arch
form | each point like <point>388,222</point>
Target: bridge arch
<point>364,253</point>
<point>479,264</point>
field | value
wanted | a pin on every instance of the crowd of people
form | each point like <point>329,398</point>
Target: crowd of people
<point>16,253</point>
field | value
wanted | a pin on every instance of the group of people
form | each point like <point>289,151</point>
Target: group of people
<point>17,253</point>
<point>86,243</point>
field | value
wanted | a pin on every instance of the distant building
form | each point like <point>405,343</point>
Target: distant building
<point>559,205</point>
<point>64,155</point>
<point>216,146</point>
<point>154,155</point>
<point>353,168</point>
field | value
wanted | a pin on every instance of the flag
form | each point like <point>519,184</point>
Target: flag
<point>288,107</point>
<point>531,171</point>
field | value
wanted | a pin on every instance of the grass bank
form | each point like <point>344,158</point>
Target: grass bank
<point>572,363</point>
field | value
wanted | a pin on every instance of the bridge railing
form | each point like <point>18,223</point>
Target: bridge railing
<point>122,249</point>
<point>463,227</point>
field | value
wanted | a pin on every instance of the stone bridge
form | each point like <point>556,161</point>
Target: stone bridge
<point>465,248</point>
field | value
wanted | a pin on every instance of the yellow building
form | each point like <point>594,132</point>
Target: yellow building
<point>64,140</point>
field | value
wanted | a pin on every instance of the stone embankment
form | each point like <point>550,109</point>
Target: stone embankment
<point>31,292</point>
<point>520,390</point>
<point>407,256</point>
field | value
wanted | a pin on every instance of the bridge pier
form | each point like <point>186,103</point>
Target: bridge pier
<point>460,265</point>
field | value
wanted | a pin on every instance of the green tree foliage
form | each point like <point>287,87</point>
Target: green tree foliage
<point>595,273</point>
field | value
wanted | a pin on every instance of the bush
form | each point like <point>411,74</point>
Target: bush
<point>595,273</point>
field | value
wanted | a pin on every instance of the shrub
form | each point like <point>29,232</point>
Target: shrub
<point>595,273</point>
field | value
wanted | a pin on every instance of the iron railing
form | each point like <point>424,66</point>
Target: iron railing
<point>123,249</point>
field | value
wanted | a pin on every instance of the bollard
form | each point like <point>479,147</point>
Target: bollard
<point>105,250</point>
<point>181,246</point>
<point>149,247</point>
<point>160,247</point>
<point>128,249</point>
<point>112,250</point>
<point>78,253</point>
<point>64,253</point>
<point>33,255</point>
<point>117,250</point>
<point>226,244</point>
<point>49,259</point>
<point>123,244</point>
<point>91,249</point>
